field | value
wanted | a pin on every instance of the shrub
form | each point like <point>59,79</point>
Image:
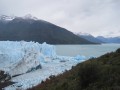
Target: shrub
<point>88,73</point>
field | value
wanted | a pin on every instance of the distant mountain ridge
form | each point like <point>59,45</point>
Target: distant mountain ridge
<point>89,37</point>
<point>30,28</point>
<point>98,39</point>
<point>109,39</point>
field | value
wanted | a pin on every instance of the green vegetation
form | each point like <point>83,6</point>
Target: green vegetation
<point>102,73</point>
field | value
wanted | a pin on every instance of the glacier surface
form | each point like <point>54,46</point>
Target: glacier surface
<point>29,63</point>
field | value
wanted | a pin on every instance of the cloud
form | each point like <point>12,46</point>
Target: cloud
<point>98,17</point>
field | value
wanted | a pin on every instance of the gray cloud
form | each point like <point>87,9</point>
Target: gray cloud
<point>98,17</point>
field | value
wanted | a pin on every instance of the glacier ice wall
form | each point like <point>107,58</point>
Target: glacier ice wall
<point>20,57</point>
<point>30,62</point>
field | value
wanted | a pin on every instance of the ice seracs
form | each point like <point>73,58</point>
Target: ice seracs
<point>48,50</point>
<point>29,63</point>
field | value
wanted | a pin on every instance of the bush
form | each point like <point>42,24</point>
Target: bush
<point>88,73</point>
<point>102,73</point>
<point>118,50</point>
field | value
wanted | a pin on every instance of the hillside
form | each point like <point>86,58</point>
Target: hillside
<point>32,29</point>
<point>100,73</point>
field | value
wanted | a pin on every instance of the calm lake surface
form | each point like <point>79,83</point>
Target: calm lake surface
<point>86,50</point>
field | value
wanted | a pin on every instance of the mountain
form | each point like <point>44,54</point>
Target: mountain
<point>89,37</point>
<point>109,39</point>
<point>29,28</point>
<point>100,73</point>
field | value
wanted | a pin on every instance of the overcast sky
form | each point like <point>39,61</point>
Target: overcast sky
<point>97,17</point>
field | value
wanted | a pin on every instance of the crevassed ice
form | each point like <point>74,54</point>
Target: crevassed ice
<point>32,62</point>
<point>23,54</point>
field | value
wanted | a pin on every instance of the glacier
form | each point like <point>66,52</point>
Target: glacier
<point>30,63</point>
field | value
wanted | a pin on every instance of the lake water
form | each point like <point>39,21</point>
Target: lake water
<point>86,50</point>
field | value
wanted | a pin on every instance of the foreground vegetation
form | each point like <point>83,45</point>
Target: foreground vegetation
<point>102,73</point>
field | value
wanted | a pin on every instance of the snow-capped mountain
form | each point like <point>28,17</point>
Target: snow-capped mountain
<point>29,28</point>
<point>89,37</point>
<point>109,39</point>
